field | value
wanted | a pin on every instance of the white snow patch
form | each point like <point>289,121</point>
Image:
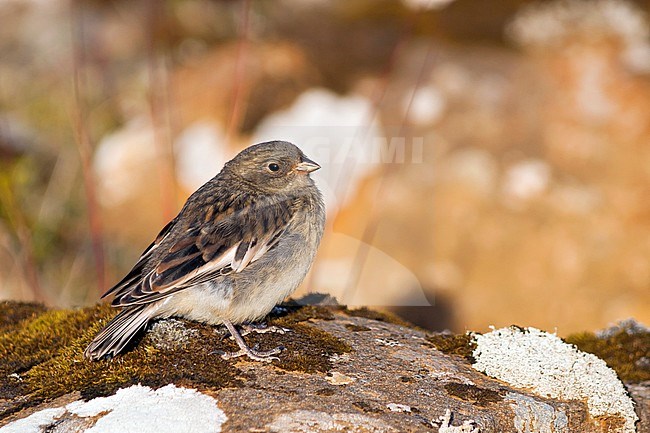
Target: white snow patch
<point>526,180</point>
<point>34,423</point>
<point>576,199</point>
<point>592,97</point>
<point>426,107</point>
<point>550,23</point>
<point>200,153</point>
<point>474,168</point>
<point>426,4</point>
<point>540,361</point>
<point>169,409</point>
<point>119,158</point>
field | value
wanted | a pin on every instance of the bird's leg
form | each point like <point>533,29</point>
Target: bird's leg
<point>261,328</point>
<point>253,354</point>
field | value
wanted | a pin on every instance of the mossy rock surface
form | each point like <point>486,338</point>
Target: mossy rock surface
<point>342,367</point>
<point>42,353</point>
<point>625,350</point>
<point>454,344</point>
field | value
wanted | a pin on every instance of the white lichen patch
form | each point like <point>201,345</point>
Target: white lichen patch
<point>336,358</point>
<point>36,422</point>
<point>170,334</point>
<point>387,342</point>
<point>450,376</point>
<point>396,407</point>
<point>542,362</point>
<point>137,408</point>
<point>533,416</point>
<point>336,378</point>
<point>309,421</point>
<point>446,427</point>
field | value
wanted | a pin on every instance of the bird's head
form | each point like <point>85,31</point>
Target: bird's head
<point>273,167</point>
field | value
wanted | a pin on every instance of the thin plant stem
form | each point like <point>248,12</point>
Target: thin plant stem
<point>159,111</point>
<point>84,145</point>
<point>374,215</point>
<point>239,89</point>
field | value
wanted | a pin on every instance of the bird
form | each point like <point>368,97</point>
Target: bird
<point>241,244</point>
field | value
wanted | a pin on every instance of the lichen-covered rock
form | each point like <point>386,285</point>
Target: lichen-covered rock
<point>542,362</point>
<point>342,370</point>
<point>136,408</point>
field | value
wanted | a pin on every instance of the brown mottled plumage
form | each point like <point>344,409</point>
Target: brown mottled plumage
<point>241,243</point>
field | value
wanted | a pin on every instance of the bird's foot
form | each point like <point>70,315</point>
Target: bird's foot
<point>254,354</point>
<point>262,328</point>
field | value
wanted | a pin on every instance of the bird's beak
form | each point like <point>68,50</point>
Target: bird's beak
<point>307,166</point>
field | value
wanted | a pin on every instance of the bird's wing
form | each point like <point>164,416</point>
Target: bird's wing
<point>135,274</point>
<point>205,250</point>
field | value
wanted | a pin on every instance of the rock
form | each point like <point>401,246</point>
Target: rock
<point>342,370</point>
<point>521,357</point>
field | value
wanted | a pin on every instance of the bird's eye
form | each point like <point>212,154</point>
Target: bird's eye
<point>274,167</point>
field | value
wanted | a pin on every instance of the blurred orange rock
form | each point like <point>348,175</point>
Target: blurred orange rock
<point>532,204</point>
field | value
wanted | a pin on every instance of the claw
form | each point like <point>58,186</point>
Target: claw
<point>262,328</point>
<point>254,353</point>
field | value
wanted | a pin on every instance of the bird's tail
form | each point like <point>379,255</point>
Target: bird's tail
<point>120,331</point>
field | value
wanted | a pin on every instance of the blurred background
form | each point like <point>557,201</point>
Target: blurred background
<point>485,162</point>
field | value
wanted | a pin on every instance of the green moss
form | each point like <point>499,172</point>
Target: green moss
<point>304,313</point>
<point>194,364</point>
<point>32,342</point>
<point>376,315</point>
<point>42,354</point>
<point>628,353</point>
<point>454,344</point>
<point>12,313</point>
<point>328,392</point>
<point>366,407</point>
<point>308,348</point>
<point>42,337</point>
<point>356,328</point>
<point>477,396</point>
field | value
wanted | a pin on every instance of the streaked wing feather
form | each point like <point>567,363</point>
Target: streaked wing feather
<point>135,274</point>
<point>231,242</point>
